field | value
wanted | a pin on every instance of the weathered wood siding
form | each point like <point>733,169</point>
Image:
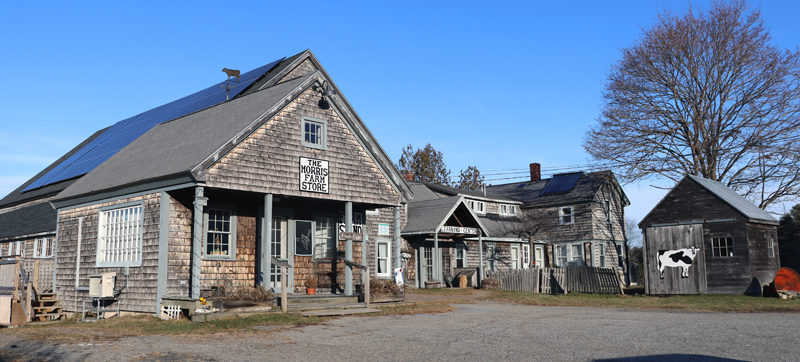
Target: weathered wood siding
<point>268,160</point>
<point>305,67</point>
<point>602,228</point>
<point>240,272</point>
<point>140,292</point>
<point>29,263</point>
<point>672,238</point>
<point>179,264</point>
<point>581,228</point>
<point>688,202</point>
<point>762,266</point>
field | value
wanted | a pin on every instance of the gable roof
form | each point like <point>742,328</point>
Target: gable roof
<point>29,220</point>
<point>181,151</point>
<point>428,216</point>
<point>174,148</point>
<point>584,190</point>
<point>730,197</point>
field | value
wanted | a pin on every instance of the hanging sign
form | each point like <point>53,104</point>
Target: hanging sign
<point>344,235</point>
<point>459,230</point>
<point>313,175</point>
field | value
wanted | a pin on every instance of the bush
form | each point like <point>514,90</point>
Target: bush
<point>311,282</point>
<point>258,294</point>
<point>383,287</point>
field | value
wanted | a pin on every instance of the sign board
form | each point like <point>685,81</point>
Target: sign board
<point>357,228</point>
<point>313,175</point>
<point>344,235</point>
<point>383,229</point>
<point>459,230</point>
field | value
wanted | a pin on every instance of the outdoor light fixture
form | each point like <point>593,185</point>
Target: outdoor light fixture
<point>323,90</point>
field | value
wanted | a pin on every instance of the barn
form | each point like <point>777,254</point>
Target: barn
<point>703,237</point>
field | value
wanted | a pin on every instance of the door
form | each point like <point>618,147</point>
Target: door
<point>426,265</point>
<point>515,257</point>
<point>280,250</point>
<point>538,256</point>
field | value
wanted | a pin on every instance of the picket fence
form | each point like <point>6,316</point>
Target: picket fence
<point>576,278</point>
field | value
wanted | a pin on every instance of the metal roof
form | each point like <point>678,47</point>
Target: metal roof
<point>726,194</point>
<point>126,131</point>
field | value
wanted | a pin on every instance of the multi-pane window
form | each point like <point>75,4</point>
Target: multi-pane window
<point>577,252</point>
<point>427,254</point>
<point>461,256</point>
<point>15,248</point>
<point>325,246</point>
<point>219,238</point>
<point>119,237</point>
<point>478,206</point>
<point>383,263</point>
<point>314,133</point>
<point>526,256</point>
<point>561,255</point>
<point>508,210</point>
<point>602,255</point>
<point>43,248</point>
<point>722,247</point>
<point>565,215</point>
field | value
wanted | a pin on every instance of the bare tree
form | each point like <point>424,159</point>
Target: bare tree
<point>470,179</point>
<point>705,94</point>
<point>533,224</point>
<point>632,233</point>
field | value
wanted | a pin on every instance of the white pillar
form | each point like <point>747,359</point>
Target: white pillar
<point>348,248</point>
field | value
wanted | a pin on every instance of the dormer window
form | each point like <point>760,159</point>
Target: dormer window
<point>315,133</point>
<point>478,206</point>
<point>508,210</point>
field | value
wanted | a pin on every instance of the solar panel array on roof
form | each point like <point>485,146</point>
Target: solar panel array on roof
<point>126,131</point>
<point>561,183</point>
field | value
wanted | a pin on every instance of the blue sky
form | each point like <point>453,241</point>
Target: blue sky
<point>497,86</point>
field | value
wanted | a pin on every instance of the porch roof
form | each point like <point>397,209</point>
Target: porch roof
<point>427,217</point>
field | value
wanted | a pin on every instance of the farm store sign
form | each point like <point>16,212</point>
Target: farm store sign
<point>313,175</point>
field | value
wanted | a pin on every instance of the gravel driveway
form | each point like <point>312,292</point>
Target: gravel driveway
<point>480,331</point>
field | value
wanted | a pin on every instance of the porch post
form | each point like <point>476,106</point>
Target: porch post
<point>197,240</point>
<point>480,258</point>
<point>348,248</point>
<point>265,266</point>
<point>437,263</point>
<point>163,249</point>
<point>396,241</point>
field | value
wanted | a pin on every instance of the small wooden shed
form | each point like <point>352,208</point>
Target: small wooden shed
<point>703,237</point>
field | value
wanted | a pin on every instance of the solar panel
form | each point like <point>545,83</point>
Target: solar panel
<point>126,131</point>
<point>561,183</point>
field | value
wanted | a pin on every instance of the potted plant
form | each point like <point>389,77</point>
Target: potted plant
<point>311,285</point>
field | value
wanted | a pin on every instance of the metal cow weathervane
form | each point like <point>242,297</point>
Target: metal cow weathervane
<point>679,258</point>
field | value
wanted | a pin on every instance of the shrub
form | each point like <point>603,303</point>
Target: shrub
<point>383,287</point>
<point>490,283</point>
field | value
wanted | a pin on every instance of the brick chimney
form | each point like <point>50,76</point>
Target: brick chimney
<point>409,176</point>
<point>536,172</point>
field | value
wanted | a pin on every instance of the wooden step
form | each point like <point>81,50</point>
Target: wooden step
<point>340,312</point>
<point>308,307</point>
<point>319,299</point>
<point>46,308</point>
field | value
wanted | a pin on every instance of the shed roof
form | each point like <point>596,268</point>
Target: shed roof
<point>34,219</point>
<point>736,201</point>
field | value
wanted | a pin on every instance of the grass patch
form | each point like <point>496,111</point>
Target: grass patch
<point>114,328</point>
<point>707,302</point>
<point>413,308</point>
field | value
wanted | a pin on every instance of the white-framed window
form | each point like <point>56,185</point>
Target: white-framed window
<point>383,260</point>
<point>491,255</point>
<point>324,238</point>
<point>565,215</point>
<point>43,248</point>
<point>561,255</point>
<point>119,237</point>
<point>478,206</point>
<point>220,236</point>
<point>722,247</point>
<point>576,253</point>
<point>461,256</point>
<point>314,132</point>
<point>515,257</point>
<point>508,210</point>
<point>427,255</point>
<point>526,256</point>
<point>16,248</point>
<point>770,247</point>
<point>602,252</point>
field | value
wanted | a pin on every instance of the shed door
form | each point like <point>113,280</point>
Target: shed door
<point>669,249</point>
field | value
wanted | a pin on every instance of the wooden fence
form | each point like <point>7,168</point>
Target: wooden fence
<point>580,279</point>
